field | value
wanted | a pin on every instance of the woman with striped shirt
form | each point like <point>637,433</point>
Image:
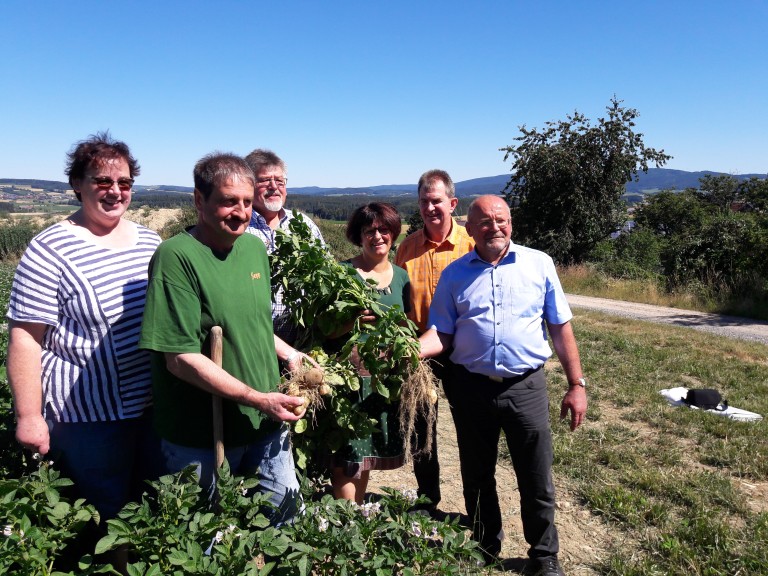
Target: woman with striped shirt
<point>81,386</point>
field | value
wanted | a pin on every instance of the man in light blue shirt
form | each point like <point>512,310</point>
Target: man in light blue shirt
<point>269,215</point>
<point>495,306</point>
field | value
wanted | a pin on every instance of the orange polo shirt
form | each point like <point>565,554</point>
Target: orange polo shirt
<point>425,261</point>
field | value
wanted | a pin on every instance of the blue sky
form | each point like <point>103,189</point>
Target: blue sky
<point>354,93</point>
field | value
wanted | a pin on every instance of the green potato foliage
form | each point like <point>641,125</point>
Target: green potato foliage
<point>324,298</point>
<point>38,523</point>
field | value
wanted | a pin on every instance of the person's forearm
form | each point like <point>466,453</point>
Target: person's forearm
<point>567,350</point>
<point>434,343</point>
<point>25,379</point>
<point>202,372</point>
<point>24,372</point>
<point>284,351</point>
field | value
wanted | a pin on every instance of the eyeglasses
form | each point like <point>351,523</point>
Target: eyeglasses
<point>276,182</point>
<point>487,224</point>
<point>106,183</point>
<point>371,233</point>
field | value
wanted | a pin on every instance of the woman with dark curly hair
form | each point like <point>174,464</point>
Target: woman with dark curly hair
<point>80,385</point>
<point>373,227</point>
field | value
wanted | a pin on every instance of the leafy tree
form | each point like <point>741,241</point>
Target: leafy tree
<point>721,190</point>
<point>415,222</point>
<point>567,180</point>
<point>755,192</point>
<point>705,245</point>
<point>670,213</point>
<point>636,255</point>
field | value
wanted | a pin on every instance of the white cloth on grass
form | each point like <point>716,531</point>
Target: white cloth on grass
<point>675,397</point>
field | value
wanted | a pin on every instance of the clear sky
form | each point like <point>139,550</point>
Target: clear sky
<point>357,93</point>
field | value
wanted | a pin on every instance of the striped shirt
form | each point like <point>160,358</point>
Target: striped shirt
<point>425,261</point>
<point>92,299</point>
<point>281,321</point>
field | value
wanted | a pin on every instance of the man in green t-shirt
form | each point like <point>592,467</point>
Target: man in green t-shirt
<point>213,274</point>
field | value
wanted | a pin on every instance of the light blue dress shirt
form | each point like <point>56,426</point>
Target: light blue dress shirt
<point>497,314</point>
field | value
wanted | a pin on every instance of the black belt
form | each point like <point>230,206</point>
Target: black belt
<point>510,380</point>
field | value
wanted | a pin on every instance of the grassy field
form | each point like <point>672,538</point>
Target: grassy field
<point>682,491</point>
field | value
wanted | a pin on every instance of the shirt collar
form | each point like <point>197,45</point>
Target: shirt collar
<point>509,256</point>
<point>258,221</point>
<point>450,239</point>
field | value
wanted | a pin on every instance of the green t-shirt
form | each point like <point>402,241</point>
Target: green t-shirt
<point>191,289</point>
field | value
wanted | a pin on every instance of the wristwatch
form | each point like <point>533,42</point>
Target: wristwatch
<point>579,382</point>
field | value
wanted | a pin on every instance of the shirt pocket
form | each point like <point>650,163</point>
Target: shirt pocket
<point>523,300</point>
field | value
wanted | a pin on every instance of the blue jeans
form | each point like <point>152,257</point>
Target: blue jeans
<point>270,460</point>
<point>109,462</point>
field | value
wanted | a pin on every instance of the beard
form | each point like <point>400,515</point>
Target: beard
<point>273,203</point>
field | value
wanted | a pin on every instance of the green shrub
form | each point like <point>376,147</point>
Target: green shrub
<point>335,238</point>
<point>187,218</point>
<point>14,238</point>
<point>177,530</point>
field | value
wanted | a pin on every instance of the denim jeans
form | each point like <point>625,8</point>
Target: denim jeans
<point>109,462</point>
<point>270,460</point>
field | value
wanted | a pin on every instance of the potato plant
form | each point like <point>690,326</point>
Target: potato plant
<point>331,418</point>
<point>326,299</point>
<point>38,523</point>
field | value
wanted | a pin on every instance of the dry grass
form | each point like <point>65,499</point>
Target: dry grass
<point>584,280</point>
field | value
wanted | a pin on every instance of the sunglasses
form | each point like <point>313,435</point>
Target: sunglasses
<point>371,232</point>
<point>106,183</point>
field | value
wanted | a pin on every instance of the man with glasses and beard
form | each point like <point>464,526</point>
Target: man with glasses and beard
<point>269,215</point>
<point>495,306</point>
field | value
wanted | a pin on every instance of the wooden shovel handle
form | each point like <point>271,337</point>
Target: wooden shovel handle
<point>218,419</point>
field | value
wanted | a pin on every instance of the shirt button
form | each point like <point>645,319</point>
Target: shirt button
<point>498,323</point>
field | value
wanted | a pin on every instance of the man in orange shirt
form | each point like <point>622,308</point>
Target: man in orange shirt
<point>425,254</point>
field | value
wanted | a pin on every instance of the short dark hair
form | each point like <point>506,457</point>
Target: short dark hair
<point>384,213</point>
<point>431,175</point>
<point>95,150</point>
<point>217,169</point>
<point>261,158</point>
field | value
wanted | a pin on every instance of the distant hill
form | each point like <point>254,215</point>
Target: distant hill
<point>474,187</point>
<point>667,179</point>
<point>47,185</point>
<point>656,179</point>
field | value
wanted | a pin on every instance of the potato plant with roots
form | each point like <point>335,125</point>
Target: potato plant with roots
<point>325,297</point>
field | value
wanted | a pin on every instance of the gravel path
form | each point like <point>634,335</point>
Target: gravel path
<point>730,326</point>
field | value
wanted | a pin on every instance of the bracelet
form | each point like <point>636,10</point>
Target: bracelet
<point>291,356</point>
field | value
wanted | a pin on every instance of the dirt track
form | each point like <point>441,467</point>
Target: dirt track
<point>730,326</point>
